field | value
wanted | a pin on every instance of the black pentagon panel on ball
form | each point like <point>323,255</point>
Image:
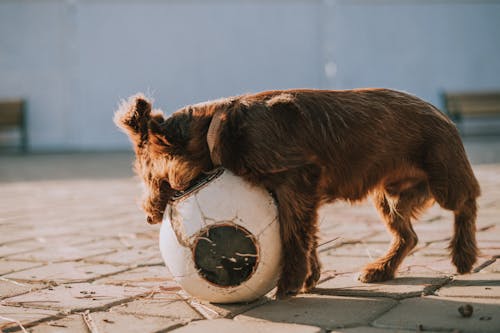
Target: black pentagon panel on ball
<point>225,254</point>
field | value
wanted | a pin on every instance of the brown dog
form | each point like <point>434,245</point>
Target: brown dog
<point>309,147</point>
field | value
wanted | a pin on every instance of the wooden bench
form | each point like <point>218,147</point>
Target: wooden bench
<point>460,105</point>
<point>12,117</point>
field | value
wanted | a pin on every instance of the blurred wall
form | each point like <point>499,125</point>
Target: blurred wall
<point>73,60</point>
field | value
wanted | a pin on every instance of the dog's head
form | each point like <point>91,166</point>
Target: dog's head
<point>169,154</point>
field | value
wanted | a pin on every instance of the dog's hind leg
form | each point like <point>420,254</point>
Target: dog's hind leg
<point>455,188</point>
<point>463,245</point>
<point>397,209</point>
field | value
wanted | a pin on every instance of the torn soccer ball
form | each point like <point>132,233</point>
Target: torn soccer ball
<point>220,239</point>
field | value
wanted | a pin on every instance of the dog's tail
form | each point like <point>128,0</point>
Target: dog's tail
<point>454,187</point>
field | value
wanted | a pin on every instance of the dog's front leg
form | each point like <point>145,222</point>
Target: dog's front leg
<point>297,200</point>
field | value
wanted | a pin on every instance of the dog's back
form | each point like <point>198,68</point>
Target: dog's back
<point>356,135</point>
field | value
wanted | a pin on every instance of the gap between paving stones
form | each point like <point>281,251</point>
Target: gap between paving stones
<point>63,314</point>
<point>33,303</point>
<point>346,242</point>
<point>212,314</point>
<point>19,327</point>
<point>229,312</point>
<point>203,310</point>
<point>206,312</point>
<point>376,233</point>
<point>432,289</point>
<point>485,264</point>
<point>429,290</point>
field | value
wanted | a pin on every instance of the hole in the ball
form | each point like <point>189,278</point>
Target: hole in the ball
<point>225,254</point>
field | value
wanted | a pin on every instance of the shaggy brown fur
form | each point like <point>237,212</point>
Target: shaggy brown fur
<point>310,147</point>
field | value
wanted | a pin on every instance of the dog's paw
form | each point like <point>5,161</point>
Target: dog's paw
<point>288,288</point>
<point>285,294</point>
<point>375,273</point>
<point>463,263</point>
<point>312,279</point>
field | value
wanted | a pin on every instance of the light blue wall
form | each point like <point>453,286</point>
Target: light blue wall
<point>73,60</point>
<point>422,46</point>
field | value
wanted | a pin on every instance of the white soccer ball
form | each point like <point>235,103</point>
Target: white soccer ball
<point>221,241</point>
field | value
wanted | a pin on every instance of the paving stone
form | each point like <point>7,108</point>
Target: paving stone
<point>11,249</point>
<point>126,239</point>
<point>383,238</point>
<point>10,266</point>
<point>490,249</point>
<point>79,247</point>
<point>232,310</point>
<point>76,297</point>
<point>66,272</point>
<point>363,219</point>
<point>169,305</point>
<point>328,312</point>
<point>441,314</point>
<point>11,317</point>
<point>440,249</point>
<point>491,234</point>
<point>400,287</point>
<point>346,233</point>
<point>482,285</point>
<point>418,264</point>
<point>228,325</point>
<point>428,233</point>
<point>488,216</point>
<point>130,239</point>
<point>101,214</point>
<point>9,231</point>
<point>10,288</point>
<point>435,249</point>
<point>146,277</point>
<point>144,235</point>
<point>482,263</point>
<point>341,207</point>
<point>135,256</point>
<point>44,241</point>
<point>29,235</point>
<point>434,214</point>
<point>76,223</point>
<point>106,322</point>
<point>343,265</point>
<point>362,249</point>
<point>368,329</point>
<point>439,229</point>
<point>62,253</point>
<point>494,267</point>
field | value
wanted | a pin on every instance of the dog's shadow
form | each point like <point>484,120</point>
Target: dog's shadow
<point>362,304</point>
<point>398,288</point>
<point>402,287</point>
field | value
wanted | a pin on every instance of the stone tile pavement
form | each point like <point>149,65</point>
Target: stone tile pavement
<point>77,256</point>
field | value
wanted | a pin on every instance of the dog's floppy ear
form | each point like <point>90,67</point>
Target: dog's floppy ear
<point>132,117</point>
<point>170,135</point>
